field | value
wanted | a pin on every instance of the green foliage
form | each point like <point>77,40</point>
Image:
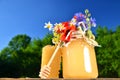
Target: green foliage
<point>108,56</point>
<point>18,42</point>
<point>47,39</point>
<point>22,57</point>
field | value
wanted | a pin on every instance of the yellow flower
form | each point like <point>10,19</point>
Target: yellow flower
<point>58,27</point>
<point>56,38</point>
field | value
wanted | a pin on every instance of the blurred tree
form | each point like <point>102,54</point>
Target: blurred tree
<point>33,58</point>
<point>108,56</point>
<point>8,65</point>
<point>47,40</point>
<point>19,42</point>
<point>22,57</point>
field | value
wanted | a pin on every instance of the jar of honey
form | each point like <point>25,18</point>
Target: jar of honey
<point>79,60</point>
<point>47,52</point>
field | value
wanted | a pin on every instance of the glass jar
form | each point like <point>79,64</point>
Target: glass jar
<point>79,60</point>
<point>47,52</point>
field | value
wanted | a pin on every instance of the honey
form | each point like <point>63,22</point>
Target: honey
<point>79,60</point>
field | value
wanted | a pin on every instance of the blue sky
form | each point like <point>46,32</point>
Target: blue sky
<point>28,16</point>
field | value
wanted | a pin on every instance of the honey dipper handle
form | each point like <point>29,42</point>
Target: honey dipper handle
<point>51,59</point>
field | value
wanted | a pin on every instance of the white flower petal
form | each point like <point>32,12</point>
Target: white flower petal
<point>48,25</point>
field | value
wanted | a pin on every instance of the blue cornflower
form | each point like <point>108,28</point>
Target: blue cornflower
<point>92,20</point>
<point>80,17</point>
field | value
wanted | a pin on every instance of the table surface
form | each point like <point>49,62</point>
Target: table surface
<point>57,79</point>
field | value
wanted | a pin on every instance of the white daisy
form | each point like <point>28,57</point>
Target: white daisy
<point>48,25</point>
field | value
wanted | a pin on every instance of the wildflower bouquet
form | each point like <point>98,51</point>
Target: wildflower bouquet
<point>78,27</point>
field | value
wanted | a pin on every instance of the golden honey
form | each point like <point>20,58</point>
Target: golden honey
<point>47,52</point>
<point>79,60</point>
